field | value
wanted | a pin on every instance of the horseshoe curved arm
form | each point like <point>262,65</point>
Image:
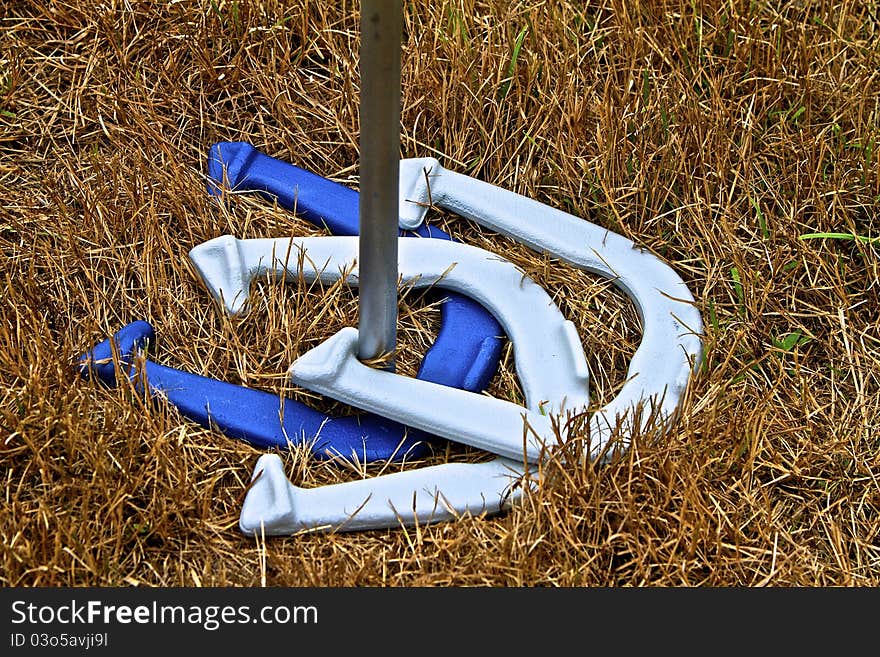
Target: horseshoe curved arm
<point>547,349</point>
<point>658,373</point>
<point>241,167</point>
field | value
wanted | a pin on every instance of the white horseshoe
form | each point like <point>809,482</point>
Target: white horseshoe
<point>548,342</point>
<point>657,376</point>
<point>547,348</point>
<point>670,348</point>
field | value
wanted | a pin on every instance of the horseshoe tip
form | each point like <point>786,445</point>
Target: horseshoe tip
<point>269,505</point>
<point>128,340</point>
<point>324,362</point>
<point>219,263</point>
<point>226,160</point>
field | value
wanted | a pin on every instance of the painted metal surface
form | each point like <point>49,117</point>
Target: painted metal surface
<point>275,507</point>
<point>547,349</point>
<point>658,375</point>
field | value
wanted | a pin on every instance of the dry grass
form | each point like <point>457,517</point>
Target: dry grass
<point>715,133</point>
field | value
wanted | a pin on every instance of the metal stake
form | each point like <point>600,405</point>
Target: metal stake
<point>381,29</point>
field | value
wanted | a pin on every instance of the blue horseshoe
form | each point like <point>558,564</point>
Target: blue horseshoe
<point>465,354</point>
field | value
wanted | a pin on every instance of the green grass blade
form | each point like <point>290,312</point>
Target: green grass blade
<point>514,56</point>
<point>840,236</point>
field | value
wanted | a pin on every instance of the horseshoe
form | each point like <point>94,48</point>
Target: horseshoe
<point>260,418</point>
<point>658,373</point>
<point>547,349</point>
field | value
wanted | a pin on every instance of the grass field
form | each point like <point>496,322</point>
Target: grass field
<point>735,139</point>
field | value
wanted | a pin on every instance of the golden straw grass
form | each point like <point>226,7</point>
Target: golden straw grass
<point>713,133</point>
